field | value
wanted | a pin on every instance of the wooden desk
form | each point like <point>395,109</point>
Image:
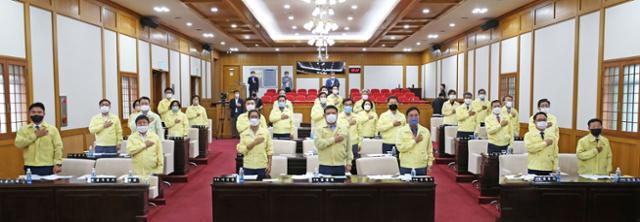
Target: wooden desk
<point>261,201</point>
<point>69,202</point>
<point>489,175</point>
<point>573,199</point>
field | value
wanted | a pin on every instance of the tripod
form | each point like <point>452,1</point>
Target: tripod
<point>221,117</point>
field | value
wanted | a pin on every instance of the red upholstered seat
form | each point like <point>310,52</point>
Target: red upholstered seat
<point>395,90</point>
<point>354,91</point>
<point>271,91</point>
<point>404,90</point>
<point>374,91</point>
<point>383,91</point>
<point>311,97</point>
<point>300,98</point>
<point>356,98</point>
<point>312,92</point>
<point>302,91</point>
<point>291,97</point>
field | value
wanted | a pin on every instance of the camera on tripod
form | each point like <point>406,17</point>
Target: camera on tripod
<point>223,97</point>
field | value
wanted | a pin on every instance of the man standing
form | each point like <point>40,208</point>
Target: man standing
<point>106,128</point>
<point>163,105</point>
<point>481,106</point>
<point>41,144</point>
<point>594,151</point>
<point>540,145</point>
<point>414,146</point>
<point>155,123</point>
<point>466,117</point>
<point>286,82</point>
<point>254,83</point>
<point>438,103</point>
<point>196,114</point>
<point>449,109</point>
<point>513,114</point>
<point>498,129</point>
<point>236,109</point>
<point>281,118</point>
<point>333,143</point>
<point>145,149</point>
<point>389,123</point>
<point>332,82</point>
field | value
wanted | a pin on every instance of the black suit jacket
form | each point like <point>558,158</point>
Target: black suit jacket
<point>254,82</point>
<point>236,108</point>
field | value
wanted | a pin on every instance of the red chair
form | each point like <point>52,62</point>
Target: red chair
<point>356,98</point>
<point>311,97</point>
<point>374,91</point>
<point>302,91</point>
<point>267,99</point>
<point>383,91</point>
<point>290,94</point>
<point>354,91</point>
<point>404,99</point>
<point>300,98</point>
<point>395,91</point>
<point>271,91</point>
<point>291,97</point>
<point>355,94</point>
<point>312,92</point>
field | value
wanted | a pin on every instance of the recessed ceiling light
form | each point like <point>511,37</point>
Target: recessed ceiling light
<point>161,9</point>
<point>452,24</point>
<point>407,49</point>
<point>214,9</point>
<point>418,43</point>
<point>384,45</point>
<point>277,49</point>
<point>479,10</point>
<point>234,26</point>
<point>405,26</point>
<point>350,18</point>
<point>189,24</point>
<point>247,37</point>
<point>393,38</point>
<point>208,35</point>
<point>432,36</point>
<point>287,6</point>
<point>233,49</point>
<point>354,7</point>
<point>425,11</point>
<point>291,17</point>
<point>364,49</point>
<point>347,28</point>
<point>294,27</point>
<point>297,33</point>
<point>344,34</point>
<point>223,43</point>
<point>257,45</point>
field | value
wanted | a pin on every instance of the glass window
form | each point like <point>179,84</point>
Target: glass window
<point>620,96</point>
<point>13,95</point>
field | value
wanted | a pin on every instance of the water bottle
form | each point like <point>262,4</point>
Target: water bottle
<point>616,178</point>
<point>28,176</point>
<point>93,175</point>
<point>90,153</point>
<point>316,172</point>
<point>394,151</point>
<point>510,150</point>
<point>240,178</point>
<point>558,174</point>
<point>129,176</point>
<point>413,172</point>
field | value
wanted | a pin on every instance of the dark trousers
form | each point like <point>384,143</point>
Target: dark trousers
<point>262,173</point>
<point>387,147</point>
<point>331,170</point>
<point>538,172</point>
<point>252,90</point>
<point>354,149</point>
<point>462,134</point>
<point>106,149</point>
<point>419,171</point>
<point>39,170</point>
<point>281,136</point>
<point>496,149</point>
<point>287,89</point>
<point>234,130</point>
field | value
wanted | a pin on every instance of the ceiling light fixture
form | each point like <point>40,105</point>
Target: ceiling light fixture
<point>208,35</point>
<point>297,33</point>
<point>418,43</point>
<point>347,28</point>
<point>354,7</point>
<point>277,49</point>
<point>452,24</point>
<point>364,49</point>
<point>257,45</point>
<point>161,9</point>
<point>247,37</point>
<point>407,50</point>
<point>294,27</point>
<point>393,38</point>
<point>405,26</point>
<point>350,18</point>
<point>291,17</point>
<point>233,49</point>
<point>234,26</point>
<point>287,6</point>
<point>479,10</point>
<point>214,9</point>
<point>189,24</point>
<point>432,36</point>
<point>384,45</point>
<point>223,43</point>
<point>425,11</point>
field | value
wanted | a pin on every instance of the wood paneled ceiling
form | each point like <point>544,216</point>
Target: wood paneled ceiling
<point>236,20</point>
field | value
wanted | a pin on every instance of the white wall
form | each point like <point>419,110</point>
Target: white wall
<point>12,23</point>
<point>354,81</point>
<point>196,67</point>
<point>621,32</point>
<point>482,68</point>
<point>449,74</point>
<point>525,77</point>
<point>588,69</point>
<point>185,85</point>
<point>144,75</point>
<point>412,76</point>
<point>246,73</point>
<point>553,69</point>
<point>42,61</point>
<point>159,58</point>
<point>471,59</point>
<point>79,58</point>
<point>127,49</point>
<point>382,77</point>
<point>111,69</point>
<point>174,73</point>
<point>307,83</point>
<point>495,61</point>
<point>208,82</point>
<point>509,55</point>
<point>460,79</point>
<point>430,81</point>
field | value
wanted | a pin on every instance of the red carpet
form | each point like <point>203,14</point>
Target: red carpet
<point>192,201</point>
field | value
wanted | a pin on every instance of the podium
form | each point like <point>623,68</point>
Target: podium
<point>181,159</point>
<point>462,160</point>
<point>489,175</point>
<point>203,141</point>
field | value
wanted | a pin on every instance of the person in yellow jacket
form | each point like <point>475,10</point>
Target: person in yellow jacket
<point>389,123</point>
<point>466,117</point>
<point>281,117</point>
<point>106,128</point>
<point>414,145</point>
<point>540,145</point>
<point>256,146</point>
<point>287,102</point>
<point>243,123</point>
<point>334,98</point>
<point>544,106</point>
<point>482,107</point>
<point>145,110</point>
<point>357,108</point>
<point>40,143</point>
<point>498,129</point>
<point>176,121</point>
<point>135,112</point>
<point>145,149</point>
<point>317,112</point>
<point>333,144</point>
<point>513,114</point>
<point>164,106</point>
<point>367,120</point>
<point>196,114</point>
<point>449,109</point>
<point>594,151</point>
<point>349,120</point>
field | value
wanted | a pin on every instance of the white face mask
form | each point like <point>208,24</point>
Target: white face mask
<point>144,108</point>
<point>541,125</point>
<point>365,97</point>
<point>143,129</point>
<point>509,104</point>
<point>323,100</point>
<point>367,107</point>
<point>545,110</point>
<point>168,95</point>
<point>496,110</point>
<point>104,109</point>
<point>254,122</point>
<point>482,96</point>
<point>237,95</point>
<point>331,118</point>
<point>452,97</point>
<point>251,107</point>
<point>175,109</point>
<point>335,91</point>
<point>467,101</point>
<point>196,102</point>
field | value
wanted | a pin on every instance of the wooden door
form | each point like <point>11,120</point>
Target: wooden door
<point>232,79</point>
<point>159,83</point>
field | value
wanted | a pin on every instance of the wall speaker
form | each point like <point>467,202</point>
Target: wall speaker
<point>492,23</point>
<point>436,47</point>
<point>206,46</point>
<point>149,21</point>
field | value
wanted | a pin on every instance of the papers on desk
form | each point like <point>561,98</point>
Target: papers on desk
<point>48,177</point>
<point>302,177</point>
<point>84,177</point>
<point>377,155</point>
<point>595,177</point>
<point>527,177</point>
<point>382,177</point>
<point>287,155</point>
<point>250,177</point>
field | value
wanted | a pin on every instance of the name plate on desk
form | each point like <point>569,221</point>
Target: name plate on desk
<point>629,180</point>
<point>422,179</point>
<point>132,180</point>
<point>12,181</point>
<point>323,180</point>
<point>224,180</point>
<point>103,180</point>
<point>544,179</point>
<point>77,155</point>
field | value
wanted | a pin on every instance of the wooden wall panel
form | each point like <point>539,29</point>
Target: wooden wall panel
<point>544,15</point>
<point>613,2</point>
<point>510,26</point>
<point>12,161</point>
<point>526,21</point>
<point>126,24</point>
<point>372,58</point>
<point>589,5</point>
<point>68,7</point>
<point>565,9</point>
<point>73,144</point>
<point>109,18</point>
<point>90,11</point>
<point>174,42</point>
<point>159,37</point>
<point>143,33</point>
<point>42,3</point>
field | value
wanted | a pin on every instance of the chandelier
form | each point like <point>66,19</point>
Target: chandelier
<point>321,25</point>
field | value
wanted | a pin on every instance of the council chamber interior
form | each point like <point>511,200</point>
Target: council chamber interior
<point>319,110</point>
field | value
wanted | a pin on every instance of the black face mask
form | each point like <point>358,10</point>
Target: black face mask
<point>596,132</point>
<point>36,118</point>
<point>393,107</point>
